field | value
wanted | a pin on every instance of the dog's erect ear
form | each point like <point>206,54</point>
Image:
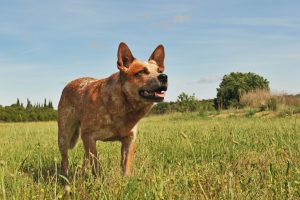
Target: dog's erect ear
<point>125,57</point>
<point>158,56</point>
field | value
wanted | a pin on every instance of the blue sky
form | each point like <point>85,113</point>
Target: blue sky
<point>45,44</point>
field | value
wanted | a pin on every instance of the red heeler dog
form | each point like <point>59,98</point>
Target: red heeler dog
<point>109,109</point>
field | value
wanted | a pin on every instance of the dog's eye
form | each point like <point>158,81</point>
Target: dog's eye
<point>138,74</point>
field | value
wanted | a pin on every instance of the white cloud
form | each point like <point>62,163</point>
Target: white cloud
<point>209,79</point>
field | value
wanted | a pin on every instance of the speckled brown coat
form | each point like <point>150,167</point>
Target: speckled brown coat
<point>109,109</point>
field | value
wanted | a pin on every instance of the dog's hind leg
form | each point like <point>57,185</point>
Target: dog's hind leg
<point>68,133</point>
<point>63,145</point>
<point>67,138</point>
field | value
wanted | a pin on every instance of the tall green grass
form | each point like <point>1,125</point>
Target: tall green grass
<point>179,156</point>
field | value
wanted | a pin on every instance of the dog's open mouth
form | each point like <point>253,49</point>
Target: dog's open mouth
<point>155,95</point>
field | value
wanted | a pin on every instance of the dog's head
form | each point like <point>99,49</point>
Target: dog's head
<point>143,81</point>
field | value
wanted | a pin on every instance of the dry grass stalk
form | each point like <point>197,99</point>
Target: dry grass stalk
<point>256,98</point>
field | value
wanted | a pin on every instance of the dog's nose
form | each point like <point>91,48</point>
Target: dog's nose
<point>163,78</point>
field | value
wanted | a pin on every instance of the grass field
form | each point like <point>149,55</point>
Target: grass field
<point>179,156</point>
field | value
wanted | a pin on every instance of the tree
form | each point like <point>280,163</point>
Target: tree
<point>18,102</point>
<point>234,85</point>
<point>186,103</point>
<point>45,103</point>
<point>50,105</point>
<point>29,105</point>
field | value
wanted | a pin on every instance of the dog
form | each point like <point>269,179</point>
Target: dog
<point>109,109</point>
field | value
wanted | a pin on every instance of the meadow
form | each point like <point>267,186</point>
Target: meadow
<point>179,156</point>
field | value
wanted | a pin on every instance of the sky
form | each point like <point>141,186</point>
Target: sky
<point>46,44</point>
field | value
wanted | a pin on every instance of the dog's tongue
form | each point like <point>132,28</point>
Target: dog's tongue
<point>160,94</point>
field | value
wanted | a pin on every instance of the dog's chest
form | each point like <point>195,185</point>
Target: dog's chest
<point>105,125</point>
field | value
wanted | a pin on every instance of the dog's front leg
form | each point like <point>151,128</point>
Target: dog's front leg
<point>127,151</point>
<point>90,156</point>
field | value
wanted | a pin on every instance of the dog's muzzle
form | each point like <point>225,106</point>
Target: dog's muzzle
<point>156,93</point>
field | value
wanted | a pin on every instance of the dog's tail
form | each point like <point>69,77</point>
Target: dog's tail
<point>74,138</point>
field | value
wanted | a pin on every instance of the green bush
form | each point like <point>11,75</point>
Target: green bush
<point>161,108</point>
<point>272,105</point>
<point>17,113</point>
<point>186,103</point>
<point>234,85</point>
<point>251,112</point>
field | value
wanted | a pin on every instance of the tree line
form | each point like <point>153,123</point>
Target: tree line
<point>17,112</point>
<point>232,87</point>
<point>184,103</point>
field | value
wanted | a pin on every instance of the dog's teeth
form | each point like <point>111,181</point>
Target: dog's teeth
<point>146,93</point>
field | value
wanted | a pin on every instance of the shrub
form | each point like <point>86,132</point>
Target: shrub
<point>234,85</point>
<point>17,113</point>
<point>250,113</point>
<point>256,99</point>
<point>288,100</point>
<point>161,108</point>
<point>273,104</point>
<point>186,103</point>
